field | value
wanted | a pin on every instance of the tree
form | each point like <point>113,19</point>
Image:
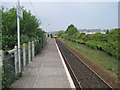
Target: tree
<point>108,42</point>
<point>59,33</point>
<point>29,28</point>
<point>51,35</point>
<point>71,30</point>
<point>107,32</point>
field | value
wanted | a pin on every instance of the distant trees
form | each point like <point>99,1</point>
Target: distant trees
<point>108,42</point>
<point>71,30</point>
<point>29,28</point>
<point>59,33</point>
<point>107,32</point>
<point>51,35</point>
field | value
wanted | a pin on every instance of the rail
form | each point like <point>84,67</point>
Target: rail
<point>78,75</point>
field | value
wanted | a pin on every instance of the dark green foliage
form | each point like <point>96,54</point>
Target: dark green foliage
<point>59,33</point>
<point>108,42</point>
<point>9,71</point>
<point>51,35</point>
<point>105,42</point>
<point>38,47</point>
<point>29,29</point>
<point>9,29</point>
<point>71,30</point>
<point>107,32</point>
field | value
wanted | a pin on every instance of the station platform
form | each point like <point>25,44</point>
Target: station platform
<point>47,70</point>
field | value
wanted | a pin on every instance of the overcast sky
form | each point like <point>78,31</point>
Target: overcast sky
<point>56,16</point>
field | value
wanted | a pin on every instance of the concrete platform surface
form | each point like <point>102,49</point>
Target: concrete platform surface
<point>45,71</point>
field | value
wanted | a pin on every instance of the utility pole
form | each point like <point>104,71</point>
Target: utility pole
<point>19,13</point>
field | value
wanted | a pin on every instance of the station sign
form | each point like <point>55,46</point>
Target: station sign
<point>19,12</point>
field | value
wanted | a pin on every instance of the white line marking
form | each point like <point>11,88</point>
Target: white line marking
<point>37,76</point>
<point>65,67</point>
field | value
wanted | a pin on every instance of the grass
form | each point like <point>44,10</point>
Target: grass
<point>96,56</point>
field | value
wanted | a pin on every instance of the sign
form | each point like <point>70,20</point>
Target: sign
<point>19,12</point>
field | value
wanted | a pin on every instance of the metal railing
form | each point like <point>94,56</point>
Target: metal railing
<point>10,64</point>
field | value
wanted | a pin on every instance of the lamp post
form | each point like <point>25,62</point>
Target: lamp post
<point>19,16</point>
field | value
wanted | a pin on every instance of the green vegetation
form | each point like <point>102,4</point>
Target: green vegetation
<point>51,35</point>
<point>29,29</point>
<point>59,33</point>
<point>102,49</point>
<point>105,42</point>
<point>96,56</point>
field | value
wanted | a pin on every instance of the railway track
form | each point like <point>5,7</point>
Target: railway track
<point>83,76</point>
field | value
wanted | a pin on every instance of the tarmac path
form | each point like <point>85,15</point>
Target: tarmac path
<point>46,70</point>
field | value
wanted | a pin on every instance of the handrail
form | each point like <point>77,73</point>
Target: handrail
<point>11,51</point>
<point>1,52</point>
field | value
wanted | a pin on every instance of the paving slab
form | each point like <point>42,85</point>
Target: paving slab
<point>45,71</point>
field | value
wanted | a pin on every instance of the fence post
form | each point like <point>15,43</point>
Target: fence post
<point>1,57</point>
<point>29,52</point>
<point>33,49</point>
<point>16,60</point>
<point>24,54</point>
<point>1,64</point>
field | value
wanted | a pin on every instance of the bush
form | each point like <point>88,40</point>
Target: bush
<point>108,42</point>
